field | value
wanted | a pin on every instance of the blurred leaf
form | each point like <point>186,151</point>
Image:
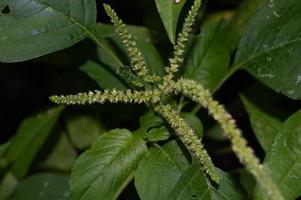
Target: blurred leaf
<point>169,12</point>
<point>209,58</point>
<point>248,181</point>
<point>61,156</point>
<point>104,78</point>
<point>8,184</point>
<point>239,22</point>
<point>44,186</point>
<point>30,137</point>
<point>42,27</point>
<point>283,160</point>
<point>104,170</point>
<point>194,122</point>
<point>83,130</point>
<point>152,128</point>
<point>193,185</point>
<point>271,47</point>
<point>159,171</point>
<point>264,126</point>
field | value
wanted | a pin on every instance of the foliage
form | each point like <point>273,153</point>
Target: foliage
<point>167,147</point>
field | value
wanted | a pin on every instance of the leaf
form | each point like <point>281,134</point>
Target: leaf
<point>264,125</point>
<point>283,160</point>
<point>8,184</point>
<point>271,47</point>
<point>44,186</point>
<point>159,171</point>
<point>43,27</point>
<point>169,12</point>
<point>104,170</point>
<point>30,137</point>
<point>209,58</point>
<point>83,130</point>
<point>104,77</point>
<point>61,156</point>
<point>193,185</point>
<point>239,22</point>
<point>152,128</point>
<point>194,122</point>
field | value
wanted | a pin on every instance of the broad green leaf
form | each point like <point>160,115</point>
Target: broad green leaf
<point>38,27</point>
<point>44,186</point>
<point>239,22</point>
<point>194,122</point>
<point>169,11</point>
<point>193,185</point>
<point>30,137</point>
<point>159,171</point>
<point>61,156</point>
<point>283,160</point>
<point>271,46</point>
<point>264,126</point>
<point>209,58</point>
<point>8,184</point>
<point>104,170</point>
<point>83,130</point>
<point>104,77</point>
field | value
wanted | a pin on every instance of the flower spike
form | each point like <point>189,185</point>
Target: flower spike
<point>137,60</point>
<point>113,96</point>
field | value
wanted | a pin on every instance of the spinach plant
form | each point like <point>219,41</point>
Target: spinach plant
<point>165,156</point>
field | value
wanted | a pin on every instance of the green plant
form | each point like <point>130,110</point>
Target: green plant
<point>104,170</point>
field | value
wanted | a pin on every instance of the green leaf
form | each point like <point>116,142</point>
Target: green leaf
<point>159,171</point>
<point>209,59</point>
<point>8,184</point>
<point>104,77</point>
<point>43,26</point>
<point>194,122</point>
<point>30,137</point>
<point>193,185</point>
<point>240,20</point>
<point>270,50</point>
<point>152,128</point>
<point>169,12</point>
<point>83,130</point>
<point>61,156</point>
<point>44,186</point>
<point>283,160</point>
<point>104,170</point>
<point>264,125</point>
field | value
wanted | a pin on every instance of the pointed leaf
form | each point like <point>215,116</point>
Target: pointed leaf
<point>104,170</point>
<point>38,27</point>
<point>170,11</point>
<point>283,160</point>
<point>270,50</point>
<point>30,137</point>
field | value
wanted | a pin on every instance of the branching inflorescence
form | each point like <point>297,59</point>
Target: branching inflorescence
<point>155,99</point>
